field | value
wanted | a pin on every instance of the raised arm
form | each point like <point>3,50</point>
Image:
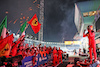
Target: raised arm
<point>84,35</point>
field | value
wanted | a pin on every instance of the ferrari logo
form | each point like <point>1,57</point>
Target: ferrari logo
<point>5,51</point>
<point>35,22</point>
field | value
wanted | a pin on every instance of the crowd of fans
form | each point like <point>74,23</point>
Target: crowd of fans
<point>26,51</point>
<point>11,50</point>
<point>19,48</point>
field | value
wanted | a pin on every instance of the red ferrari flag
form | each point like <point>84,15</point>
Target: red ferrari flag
<point>5,46</point>
<point>36,26</point>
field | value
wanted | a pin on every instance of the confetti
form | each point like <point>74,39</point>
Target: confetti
<point>35,1</point>
<point>21,24</point>
<point>28,17</point>
<point>15,21</point>
<point>21,21</point>
<point>23,17</point>
<point>21,13</point>
<point>10,21</point>
<point>30,8</point>
<point>38,6</point>
<point>6,12</point>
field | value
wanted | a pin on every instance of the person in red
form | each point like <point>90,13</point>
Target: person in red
<point>14,49</point>
<point>60,55</point>
<point>55,56</point>
<point>92,45</point>
<point>47,50</point>
<point>26,46</point>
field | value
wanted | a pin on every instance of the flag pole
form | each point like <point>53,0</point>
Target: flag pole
<point>26,26</point>
<point>24,30</point>
<point>17,31</point>
<point>23,33</point>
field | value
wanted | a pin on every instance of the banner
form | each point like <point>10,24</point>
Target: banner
<point>42,60</point>
<point>34,61</point>
<point>27,62</point>
<point>50,57</point>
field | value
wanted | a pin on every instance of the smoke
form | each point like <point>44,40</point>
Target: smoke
<point>59,20</point>
<point>61,16</point>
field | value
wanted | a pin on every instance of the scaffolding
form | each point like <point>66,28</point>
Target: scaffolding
<point>41,20</point>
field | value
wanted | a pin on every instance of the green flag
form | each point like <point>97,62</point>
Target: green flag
<point>4,22</point>
<point>23,27</point>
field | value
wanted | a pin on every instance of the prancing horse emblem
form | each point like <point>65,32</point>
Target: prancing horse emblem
<point>35,22</point>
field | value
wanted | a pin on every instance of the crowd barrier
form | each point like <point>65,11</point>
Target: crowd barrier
<point>34,61</point>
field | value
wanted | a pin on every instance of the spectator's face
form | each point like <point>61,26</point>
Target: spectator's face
<point>90,27</point>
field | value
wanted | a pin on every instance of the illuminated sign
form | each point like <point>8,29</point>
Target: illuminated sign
<point>91,13</point>
<point>72,42</point>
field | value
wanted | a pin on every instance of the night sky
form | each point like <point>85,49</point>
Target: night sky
<point>58,17</point>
